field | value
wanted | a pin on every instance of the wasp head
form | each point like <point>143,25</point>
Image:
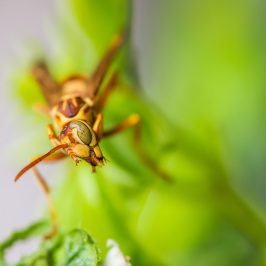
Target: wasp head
<point>83,143</point>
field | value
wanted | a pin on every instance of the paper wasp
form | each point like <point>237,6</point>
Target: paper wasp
<point>76,107</point>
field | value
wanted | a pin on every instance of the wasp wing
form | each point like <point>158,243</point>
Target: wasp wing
<point>50,88</point>
<point>103,66</point>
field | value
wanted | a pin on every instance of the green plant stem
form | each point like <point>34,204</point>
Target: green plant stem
<point>243,216</point>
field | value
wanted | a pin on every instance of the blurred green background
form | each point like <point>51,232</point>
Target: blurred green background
<point>194,71</point>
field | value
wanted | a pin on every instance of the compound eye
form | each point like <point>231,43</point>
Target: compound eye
<point>84,134</point>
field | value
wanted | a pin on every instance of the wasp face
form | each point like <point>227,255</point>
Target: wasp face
<point>82,142</point>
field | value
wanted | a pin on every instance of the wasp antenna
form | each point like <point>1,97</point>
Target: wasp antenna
<point>33,163</point>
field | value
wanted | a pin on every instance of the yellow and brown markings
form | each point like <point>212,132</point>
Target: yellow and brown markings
<point>70,107</point>
<point>76,85</point>
<point>65,135</point>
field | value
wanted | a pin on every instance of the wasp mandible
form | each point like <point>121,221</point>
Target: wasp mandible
<point>75,106</point>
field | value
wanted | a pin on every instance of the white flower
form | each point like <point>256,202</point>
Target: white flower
<point>115,256</point>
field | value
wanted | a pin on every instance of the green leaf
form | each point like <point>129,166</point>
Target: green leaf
<point>32,230</point>
<point>76,248</point>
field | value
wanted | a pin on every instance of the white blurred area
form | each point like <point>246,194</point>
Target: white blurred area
<point>20,21</point>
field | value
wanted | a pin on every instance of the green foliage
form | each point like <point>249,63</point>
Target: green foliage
<point>30,231</point>
<point>101,19</point>
<point>76,248</point>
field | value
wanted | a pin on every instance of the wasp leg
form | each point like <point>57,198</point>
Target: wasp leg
<point>53,157</point>
<point>98,126</point>
<point>103,98</point>
<point>103,66</point>
<point>46,190</point>
<point>52,135</point>
<point>51,206</point>
<point>134,121</point>
<point>131,121</point>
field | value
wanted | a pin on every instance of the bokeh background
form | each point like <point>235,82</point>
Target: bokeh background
<point>20,25</point>
<point>194,71</point>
